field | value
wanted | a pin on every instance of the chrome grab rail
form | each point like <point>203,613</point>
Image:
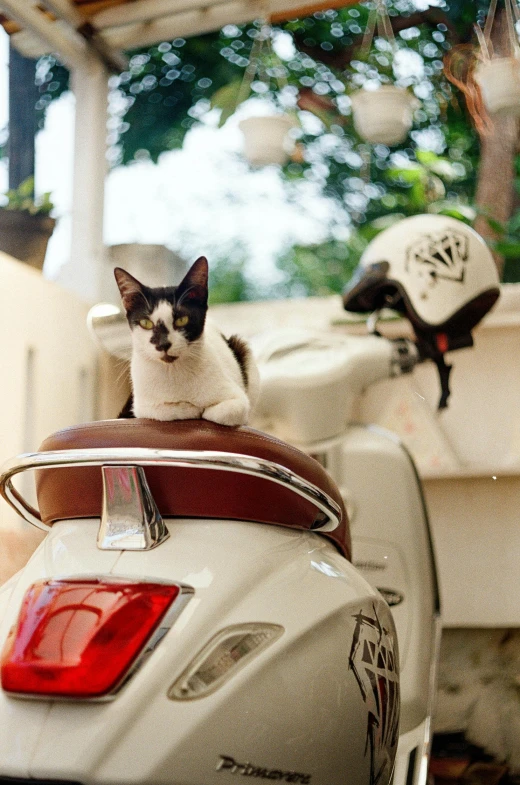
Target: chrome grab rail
<point>197,459</point>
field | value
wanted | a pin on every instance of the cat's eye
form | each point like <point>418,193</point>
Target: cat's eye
<point>182,321</point>
<point>146,324</point>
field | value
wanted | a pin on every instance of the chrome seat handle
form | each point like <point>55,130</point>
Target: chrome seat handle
<point>141,456</point>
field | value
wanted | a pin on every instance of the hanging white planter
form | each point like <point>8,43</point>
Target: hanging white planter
<point>499,82</point>
<point>267,139</point>
<point>385,115</point>
<point>499,77</point>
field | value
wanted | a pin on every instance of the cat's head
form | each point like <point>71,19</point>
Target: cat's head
<point>165,321</point>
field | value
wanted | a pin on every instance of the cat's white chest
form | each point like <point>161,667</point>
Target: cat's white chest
<point>203,378</point>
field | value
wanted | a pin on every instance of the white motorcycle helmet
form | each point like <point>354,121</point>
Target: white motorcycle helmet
<point>435,270</point>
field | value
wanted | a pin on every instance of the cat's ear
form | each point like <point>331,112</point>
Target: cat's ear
<point>194,285</point>
<point>130,288</point>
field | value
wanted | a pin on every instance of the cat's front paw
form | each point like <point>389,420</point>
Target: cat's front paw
<point>231,412</point>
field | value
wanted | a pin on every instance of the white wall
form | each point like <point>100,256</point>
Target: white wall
<point>48,368</point>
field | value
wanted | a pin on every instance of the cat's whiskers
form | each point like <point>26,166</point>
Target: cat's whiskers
<point>123,369</point>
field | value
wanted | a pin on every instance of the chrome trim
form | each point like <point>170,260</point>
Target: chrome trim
<point>130,519</point>
<point>425,752</point>
<point>172,614</point>
<point>197,459</point>
<point>185,594</point>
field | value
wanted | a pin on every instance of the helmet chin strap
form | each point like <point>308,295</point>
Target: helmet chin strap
<point>443,344</point>
<point>444,378</point>
<point>433,346</point>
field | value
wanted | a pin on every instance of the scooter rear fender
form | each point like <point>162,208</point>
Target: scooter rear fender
<point>299,711</point>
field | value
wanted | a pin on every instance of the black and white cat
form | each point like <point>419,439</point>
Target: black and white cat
<point>182,366</point>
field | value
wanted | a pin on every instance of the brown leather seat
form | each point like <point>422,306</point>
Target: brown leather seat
<point>184,492</point>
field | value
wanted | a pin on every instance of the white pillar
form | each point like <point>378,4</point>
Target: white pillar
<point>84,269</point>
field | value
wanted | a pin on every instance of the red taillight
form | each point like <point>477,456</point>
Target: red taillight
<point>79,638</point>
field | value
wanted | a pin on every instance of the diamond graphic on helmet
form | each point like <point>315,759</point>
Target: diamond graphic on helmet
<point>439,256</point>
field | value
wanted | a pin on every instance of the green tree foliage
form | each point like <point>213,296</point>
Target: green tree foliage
<point>321,269</point>
<point>169,87</point>
<point>231,283</point>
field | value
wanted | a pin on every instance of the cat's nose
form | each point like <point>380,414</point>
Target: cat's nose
<point>163,346</point>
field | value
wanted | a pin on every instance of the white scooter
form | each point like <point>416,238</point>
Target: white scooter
<point>193,616</point>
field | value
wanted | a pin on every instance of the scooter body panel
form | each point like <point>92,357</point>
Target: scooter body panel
<point>300,711</point>
<point>392,549</point>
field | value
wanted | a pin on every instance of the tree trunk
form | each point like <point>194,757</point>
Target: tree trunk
<point>496,173</point>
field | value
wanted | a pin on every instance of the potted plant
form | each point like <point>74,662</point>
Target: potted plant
<point>383,115</point>
<point>490,83</point>
<point>267,136</point>
<point>26,224</point>
<point>382,106</point>
<point>499,81</point>
<point>498,78</point>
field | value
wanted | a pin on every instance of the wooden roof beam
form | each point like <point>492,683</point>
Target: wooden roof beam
<point>309,9</point>
<point>65,42</point>
<point>146,11</point>
<point>155,25</point>
<point>188,23</point>
<point>67,11</point>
